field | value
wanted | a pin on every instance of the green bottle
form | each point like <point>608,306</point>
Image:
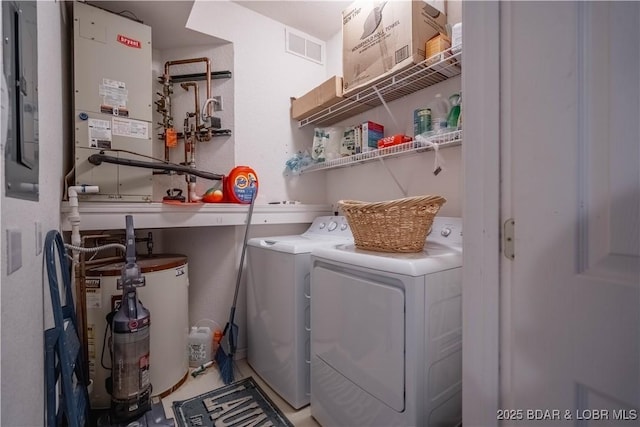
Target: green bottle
<point>452,119</point>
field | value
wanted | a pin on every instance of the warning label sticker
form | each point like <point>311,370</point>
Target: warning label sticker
<point>99,133</point>
<point>114,94</point>
<point>130,128</point>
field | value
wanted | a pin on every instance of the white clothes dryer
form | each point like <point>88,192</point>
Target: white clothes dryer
<point>386,343</point>
<point>278,310</point>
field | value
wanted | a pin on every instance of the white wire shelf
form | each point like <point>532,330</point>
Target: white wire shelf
<point>433,70</point>
<point>443,140</point>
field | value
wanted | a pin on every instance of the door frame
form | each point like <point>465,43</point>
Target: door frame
<point>481,213</point>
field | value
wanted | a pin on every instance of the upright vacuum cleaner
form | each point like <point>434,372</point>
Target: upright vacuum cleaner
<point>130,381</point>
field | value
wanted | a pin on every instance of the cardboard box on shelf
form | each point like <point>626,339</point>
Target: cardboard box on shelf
<point>382,37</point>
<point>320,97</point>
<point>371,133</point>
<point>348,142</point>
<point>389,141</point>
<point>438,51</point>
<point>437,44</point>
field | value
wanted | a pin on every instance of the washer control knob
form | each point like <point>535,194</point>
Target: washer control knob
<point>322,225</point>
<point>445,232</point>
<point>333,225</point>
<point>343,226</point>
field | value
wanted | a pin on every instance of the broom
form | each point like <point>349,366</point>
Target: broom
<point>225,360</point>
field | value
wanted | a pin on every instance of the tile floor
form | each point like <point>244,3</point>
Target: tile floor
<point>211,380</point>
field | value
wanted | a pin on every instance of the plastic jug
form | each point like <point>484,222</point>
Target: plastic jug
<point>199,345</point>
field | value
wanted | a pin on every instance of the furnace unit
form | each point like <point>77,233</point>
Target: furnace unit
<point>112,101</point>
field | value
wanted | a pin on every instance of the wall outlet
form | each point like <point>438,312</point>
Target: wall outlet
<point>14,250</point>
<point>217,103</point>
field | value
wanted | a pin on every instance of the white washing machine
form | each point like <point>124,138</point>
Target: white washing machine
<point>386,343</point>
<point>278,310</point>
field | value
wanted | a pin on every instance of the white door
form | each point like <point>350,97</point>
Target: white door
<point>570,138</point>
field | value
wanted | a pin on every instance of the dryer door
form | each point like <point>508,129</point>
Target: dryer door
<point>358,328</point>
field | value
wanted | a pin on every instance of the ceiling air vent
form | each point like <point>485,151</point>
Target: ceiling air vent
<point>301,44</point>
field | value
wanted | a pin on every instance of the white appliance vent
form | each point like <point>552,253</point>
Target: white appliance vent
<point>303,45</point>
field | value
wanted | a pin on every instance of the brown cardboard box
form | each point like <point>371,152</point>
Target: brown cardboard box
<point>382,37</point>
<point>436,45</point>
<point>323,96</point>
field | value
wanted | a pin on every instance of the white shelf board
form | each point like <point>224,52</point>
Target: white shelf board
<point>438,68</point>
<point>444,140</point>
<point>110,216</point>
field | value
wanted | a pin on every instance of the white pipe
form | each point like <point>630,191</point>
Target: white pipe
<point>74,219</point>
<point>193,197</point>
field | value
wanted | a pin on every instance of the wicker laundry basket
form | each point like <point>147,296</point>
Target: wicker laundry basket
<point>392,226</point>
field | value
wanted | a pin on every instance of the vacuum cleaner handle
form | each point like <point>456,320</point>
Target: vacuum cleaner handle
<point>130,240</point>
<point>131,276</point>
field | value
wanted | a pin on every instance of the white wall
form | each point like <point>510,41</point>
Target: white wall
<point>454,11</point>
<point>264,137</point>
<point>414,173</point>
<point>372,181</point>
<point>256,109</point>
<point>26,306</point>
<point>265,76</point>
<point>214,256</point>
<point>334,55</point>
<point>216,155</point>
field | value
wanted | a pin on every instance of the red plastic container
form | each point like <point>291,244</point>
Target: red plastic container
<point>389,141</point>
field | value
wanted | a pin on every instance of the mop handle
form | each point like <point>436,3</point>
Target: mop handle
<point>244,250</point>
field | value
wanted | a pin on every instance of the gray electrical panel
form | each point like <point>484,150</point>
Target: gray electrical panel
<point>112,101</point>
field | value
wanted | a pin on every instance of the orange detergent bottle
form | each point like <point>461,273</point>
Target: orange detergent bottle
<point>241,185</point>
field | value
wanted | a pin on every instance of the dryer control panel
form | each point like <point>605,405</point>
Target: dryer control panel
<point>447,231</point>
<point>333,226</point>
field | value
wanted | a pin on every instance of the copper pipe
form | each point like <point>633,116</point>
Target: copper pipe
<point>207,61</point>
<point>186,86</point>
<point>167,77</point>
<point>167,94</point>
